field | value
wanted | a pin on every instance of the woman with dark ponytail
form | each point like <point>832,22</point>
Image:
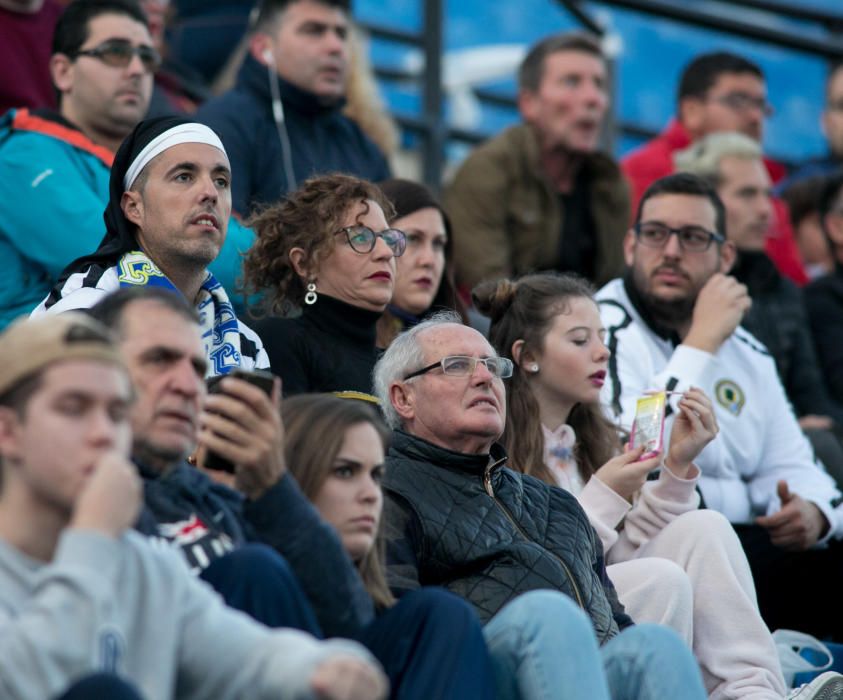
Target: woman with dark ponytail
<point>671,562</point>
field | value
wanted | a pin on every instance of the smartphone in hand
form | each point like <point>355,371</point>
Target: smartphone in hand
<point>260,378</point>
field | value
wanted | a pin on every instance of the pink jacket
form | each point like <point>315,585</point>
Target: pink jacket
<point>623,527</point>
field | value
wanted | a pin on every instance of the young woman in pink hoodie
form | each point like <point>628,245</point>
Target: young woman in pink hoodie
<point>671,562</point>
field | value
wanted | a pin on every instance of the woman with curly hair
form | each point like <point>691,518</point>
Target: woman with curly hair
<point>327,250</point>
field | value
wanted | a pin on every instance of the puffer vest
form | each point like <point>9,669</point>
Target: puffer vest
<point>490,533</point>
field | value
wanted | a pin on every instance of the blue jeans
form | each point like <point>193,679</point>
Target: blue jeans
<point>258,581</point>
<point>430,644</point>
<point>543,646</point>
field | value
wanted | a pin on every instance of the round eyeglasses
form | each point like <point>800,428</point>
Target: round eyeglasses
<point>362,239</point>
<point>464,366</point>
<point>692,239</point>
<point>118,53</point>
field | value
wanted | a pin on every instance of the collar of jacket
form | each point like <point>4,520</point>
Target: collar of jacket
<point>336,317</point>
<point>53,124</point>
<point>639,305</point>
<point>255,76</point>
<point>755,269</point>
<point>415,448</point>
<point>596,166</point>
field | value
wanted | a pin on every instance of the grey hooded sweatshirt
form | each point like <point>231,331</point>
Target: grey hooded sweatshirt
<point>130,606</point>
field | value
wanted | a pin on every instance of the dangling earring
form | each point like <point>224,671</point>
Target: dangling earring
<point>310,297</point>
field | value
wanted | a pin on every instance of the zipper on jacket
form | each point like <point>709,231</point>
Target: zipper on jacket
<point>487,484</point>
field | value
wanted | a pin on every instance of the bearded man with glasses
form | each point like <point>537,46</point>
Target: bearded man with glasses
<point>55,166</point>
<point>672,323</point>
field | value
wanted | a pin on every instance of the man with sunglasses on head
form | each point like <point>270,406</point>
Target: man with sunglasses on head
<point>718,91</point>
<point>54,166</point>
<point>672,322</point>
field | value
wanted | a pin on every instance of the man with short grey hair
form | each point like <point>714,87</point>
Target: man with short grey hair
<point>457,517</point>
<point>541,195</point>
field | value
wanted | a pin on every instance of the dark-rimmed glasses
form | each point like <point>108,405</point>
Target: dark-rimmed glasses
<point>464,366</point>
<point>118,53</point>
<point>692,239</point>
<point>362,239</point>
<point>741,102</point>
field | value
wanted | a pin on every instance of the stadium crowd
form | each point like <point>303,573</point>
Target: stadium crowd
<point>275,423</point>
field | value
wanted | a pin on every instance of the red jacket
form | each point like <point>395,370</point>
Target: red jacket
<point>655,159</point>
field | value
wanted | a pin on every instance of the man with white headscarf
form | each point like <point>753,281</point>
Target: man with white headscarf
<point>166,220</point>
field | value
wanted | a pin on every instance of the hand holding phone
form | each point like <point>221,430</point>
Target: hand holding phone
<point>259,378</point>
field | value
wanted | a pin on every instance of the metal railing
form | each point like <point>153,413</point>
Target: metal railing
<point>430,124</point>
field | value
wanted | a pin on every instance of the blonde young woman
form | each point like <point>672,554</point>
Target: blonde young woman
<point>670,561</point>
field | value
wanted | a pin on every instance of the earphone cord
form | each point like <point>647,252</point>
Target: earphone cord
<point>281,127</point>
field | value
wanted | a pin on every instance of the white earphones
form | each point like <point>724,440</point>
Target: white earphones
<point>268,56</point>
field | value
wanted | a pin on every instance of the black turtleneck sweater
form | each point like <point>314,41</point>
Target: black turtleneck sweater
<point>321,138</point>
<point>330,347</point>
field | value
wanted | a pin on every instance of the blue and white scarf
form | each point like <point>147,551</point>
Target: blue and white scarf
<point>217,320</point>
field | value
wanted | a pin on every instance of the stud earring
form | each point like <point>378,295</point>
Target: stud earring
<point>310,297</point>
<point>534,368</point>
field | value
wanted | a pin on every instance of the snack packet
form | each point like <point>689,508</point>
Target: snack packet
<point>648,426</point>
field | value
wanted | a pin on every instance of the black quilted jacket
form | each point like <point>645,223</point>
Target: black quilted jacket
<point>487,533</point>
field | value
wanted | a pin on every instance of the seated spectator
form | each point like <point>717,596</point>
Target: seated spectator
<point>223,532</point>
<point>341,475</point>
<point>670,562</point>
<point>824,296</point>
<point>335,449</point>
<point>328,250</point>
<point>283,123</point>
<point>802,199</point>
<point>27,26</point>
<point>673,323</point>
<point>166,220</point>
<point>178,89</point>
<point>55,166</point>
<point>540,196</point>
<point>424,275</point>
<point>831,122</point>
<point>81,593</point>
<point>718,91</point>
<point>457,517</point>
<point>732,164</point>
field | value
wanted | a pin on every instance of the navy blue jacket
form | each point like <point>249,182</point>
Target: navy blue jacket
<point>207,520</point>
<point>321,138</point>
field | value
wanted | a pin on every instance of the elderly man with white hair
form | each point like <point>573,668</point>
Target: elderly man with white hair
<point>166,221</point>
<point>458,517</point>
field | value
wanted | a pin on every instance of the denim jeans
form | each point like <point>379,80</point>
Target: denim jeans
<point>543,646</point>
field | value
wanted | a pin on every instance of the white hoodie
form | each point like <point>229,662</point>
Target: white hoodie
<point>760,441</point>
